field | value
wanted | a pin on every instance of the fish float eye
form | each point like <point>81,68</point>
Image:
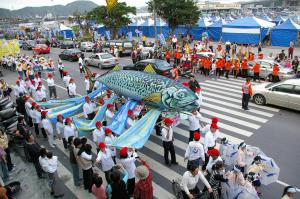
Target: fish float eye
<point>180,94</point>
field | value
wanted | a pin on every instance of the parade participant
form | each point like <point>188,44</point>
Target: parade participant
<point>211,137</point>
<point>105,158</point>
<point>241,156</point>
<point>74,165</point>
<point>131,119</point>
<point>87,84</point>
<point>247,93</point>
<point>214,157</point>
<point>193,83</point>
<point>174,42</point>
<point>167,137</point>
<point>98,133</point>
<point>80,64</point>
<point>37,78</point>
<point>61,68</point>
<point>128,162</point>
<point>219,67</point>
<point>22,82</point>
<point>236,68</point>
<point>289,192</point>
<point>48,128</point>
<point>109,138</point>
<point>189,183</point>
<point>213,72</point>
<point>60,129</point>
<point>18,88</point>
<point>32,88</point>
<point>20,69</point>
<point>194,152</point>
<point>143,187</point>
<point>194,123</point>
<point>27,83</point>
<point>89,108</point>
<point>30,72</point>
<point>109,114</point>
<point>33,149</point>
<point>69,129</point>
<point>244,66</point>
<point>36,118</point>
<point>40,95</point>
<point>66,80</point>
<point>275,77</point>
<point>51,86</point>
<point>254,173</point>
<point>72,88</point>
<point>256,70</point>
<point>175,74</point>
<point>168,55</point>
<point>228,65</point>
<point>108,94</point>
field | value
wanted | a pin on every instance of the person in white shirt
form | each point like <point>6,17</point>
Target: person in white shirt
<point>60,126</point>
<point>72,88</point>
<point>195,152</point>
<point>43,159</point>
<point>109,138</point>
<point>211,137</point>
<point>22,82</point>
<point>87,84</point>
<point>206,128</point>
<point>131,119</point>
<point>213,72</point>
<point>241,156</point>
<point>61,68</point>
<point>69,129</point>
<point>109,114</point>
<point>190,180</point>
<point>128,162</point>
<point>18,88</point>
<point>167,137</point>
<point>80,64</point>
<point>89,109</point>
<point>66,80</point>
<point>37,78</point>
<point>48,128</point>
<point>199,101</point>
<point>214,156</point>
<point>194,123</point>
<point>174,42</point>
<point>98,133</point>
<point>51,86</point>
<point>36,117</point>
<point>28,110</point>
<point>96,85</point>
<point>105,158</point>
<point>32,88</point>
<point>39,95</point>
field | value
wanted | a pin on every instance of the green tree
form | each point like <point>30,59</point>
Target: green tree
<point>176,12</point>
<point>116,18</point>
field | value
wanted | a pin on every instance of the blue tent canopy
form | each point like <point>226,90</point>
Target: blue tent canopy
<point>265,17</point>
<point>66,32</point>
<point>285,33</point>
<point>248,30</point>
<point>278,20</point>
<point>215,30</point>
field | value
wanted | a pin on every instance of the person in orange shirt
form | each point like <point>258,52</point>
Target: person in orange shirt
<point>245,68</point>
<point>228,65</point>
<point>247,93</point>
<point>175,73</point>
<point>275,77</point>
<point>236,68</point>
<point>168,55</point>
<point>256,70</point>
<point>251,57</point>
<point>175,57</point>
<point>178,58</point>
<point>219,67</point>
<point>223,61</point>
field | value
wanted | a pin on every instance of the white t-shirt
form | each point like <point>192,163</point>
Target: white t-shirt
<point>106,160</point>
<point>50,82</point>
<point>129,165</point>
<point>194,121</point>
<point>98,135</point>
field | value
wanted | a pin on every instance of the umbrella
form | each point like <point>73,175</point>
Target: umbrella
<point>271,171</point>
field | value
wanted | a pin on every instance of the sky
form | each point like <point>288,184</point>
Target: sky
<point>17,4</point>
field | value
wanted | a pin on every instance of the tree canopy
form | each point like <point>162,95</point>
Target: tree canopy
<point>176,12</point>
<point>116,18</point>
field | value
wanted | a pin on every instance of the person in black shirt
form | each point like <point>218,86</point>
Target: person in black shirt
<point>193,83</point>
<point>21,104</point>
<point>295,64</point>
<point>22,129</point>
<point>33,149</point>
<point>118,186</point>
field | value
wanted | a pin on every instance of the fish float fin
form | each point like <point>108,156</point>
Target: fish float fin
<point>149,69</point>
<point>116,68</point>
<point>154,97</point>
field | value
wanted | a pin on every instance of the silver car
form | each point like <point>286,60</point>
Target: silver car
<point>266,68</point>
<point>101,60</point>
<point>285,94</point>
<point>86,46</point>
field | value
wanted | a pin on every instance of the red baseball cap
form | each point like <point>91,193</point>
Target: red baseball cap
<point>130,112</point>
<point>108,130</point>
<point>123,151</point>
<point>214,126</point>
<point>98,123</point>
<point>101,145</point>
<point>213,152</point>
<point>168,120</point>
<point>109,106</point>
<point>196,136</point>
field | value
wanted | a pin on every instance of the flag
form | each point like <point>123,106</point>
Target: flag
<point>110,4</point>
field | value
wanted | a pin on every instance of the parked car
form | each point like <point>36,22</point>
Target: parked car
<point>285,93</point>
<point>70,54</point>
<point>125,47</point>
<point>266,68</point>
<point>161,67</point>
<point>66,44</point>
<point>101,60</point>
<point>86,46</point>
<point>41,49</point>
<point>29,44</point>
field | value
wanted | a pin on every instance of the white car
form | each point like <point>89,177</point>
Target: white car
<point>101,60</point>
<point>285,93</point>
<point>86,46</point>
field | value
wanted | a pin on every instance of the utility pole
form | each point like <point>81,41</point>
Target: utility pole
<point>154,15</point>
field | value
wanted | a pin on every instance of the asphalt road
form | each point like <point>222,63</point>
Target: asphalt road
<point>278,137</point>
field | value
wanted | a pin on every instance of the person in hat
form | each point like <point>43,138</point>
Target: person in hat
<point>108,94</point>
<point>211,136</point>
<point>289,192</point>
<point>194,153</point>
<point>70,129</point>
<point>40,95</point>
<point>18,88</point>
<point>87,84</point>
<point>109,113</point>
<point>256,71</point>
<point>254,171</point>
<point>194,123</point>
<point>199,101</point>
<point>101,102</point>
<point>247,93</point>
<point>190,180</point>
<point>104,157</point>
<point>214,157</point>
<point>60,129</point>
<point>20,69</point>
<point>72,88</point>
<point>48,128</point>
<point>66,80</point>
<point>36,116</point>
<point>98,133</point>
<point>89,108</point>
<point>96,83</point>
<point>37,78</point>
<point>167,137</point>
<point>30,72</point>
<point>109,138</point>
<point>241,156</point>
<point>143,187</point>
<point>61,68</point>
<point>131,119</point>
<point>51,86</point>
<point>32,88</point>
<point>27,83</point>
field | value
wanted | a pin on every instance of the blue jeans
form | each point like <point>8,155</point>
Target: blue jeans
<point>75,172</point>
<point>4,170</point>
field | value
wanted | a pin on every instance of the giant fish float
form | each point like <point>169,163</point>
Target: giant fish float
<point>155,90</point>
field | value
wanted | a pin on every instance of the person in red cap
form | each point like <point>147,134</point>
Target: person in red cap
<point>37,78</point>
<point>109,138</point>
<point>27,83</point>
<point>101,101</point>
<point>109,114</point>
<point>214,156</point>
<point>51,86</point>
<point>89,109</point>
<point>128,162</point>
<point>194,123</point>
<point>69,129</point>
<point>60,129</point>
<point>98,133</point>
<point>210,140</point>
<point>18,88</point>
<point>194,153</point>
<point>48,128</point>
<point>87,84</point>
<point>131,119</point>
<point>36,118</point>
<point>72,88</point>
<point>105,158</point>
<point>167,137</point>
<point>66,80</point>
<point>40,94</point>
<point>108,93</point>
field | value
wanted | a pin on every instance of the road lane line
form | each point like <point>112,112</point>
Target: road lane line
<point>220,87</point>
<point>224,84</point>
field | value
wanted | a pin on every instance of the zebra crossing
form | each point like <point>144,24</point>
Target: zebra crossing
<point>222,99</point>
